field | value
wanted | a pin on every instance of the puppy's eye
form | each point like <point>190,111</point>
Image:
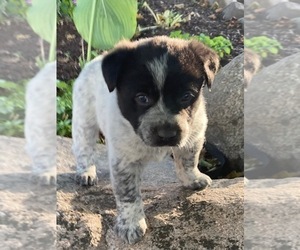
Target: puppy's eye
<point>143,100</point>
<point>187,97</point>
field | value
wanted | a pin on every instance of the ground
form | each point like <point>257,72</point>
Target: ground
<point>18,51</point>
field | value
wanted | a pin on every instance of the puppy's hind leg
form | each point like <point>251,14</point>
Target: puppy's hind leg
<point>85,130</point>
<point>186,161</point>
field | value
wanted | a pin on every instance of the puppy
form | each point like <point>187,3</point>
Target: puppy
<point>40,125</point>
<point>146,98</point>
<point>252,64</point>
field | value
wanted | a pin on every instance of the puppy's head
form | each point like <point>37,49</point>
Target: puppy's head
<point>158,83</point>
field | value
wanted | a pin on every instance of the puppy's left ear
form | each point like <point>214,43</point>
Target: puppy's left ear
<point>209,59</point>
<point>111,66</point>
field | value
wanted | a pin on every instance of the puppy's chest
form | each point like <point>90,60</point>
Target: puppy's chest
<point>132,148</point>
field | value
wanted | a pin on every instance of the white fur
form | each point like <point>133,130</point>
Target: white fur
<point>40,123</point>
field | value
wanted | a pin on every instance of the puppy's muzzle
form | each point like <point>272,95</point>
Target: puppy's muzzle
<point>166,135</point>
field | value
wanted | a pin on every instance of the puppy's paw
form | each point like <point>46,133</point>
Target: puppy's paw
<point>87,176</point>
<point>43,176</point>
<point>201,182</point>
<point>130,232</point>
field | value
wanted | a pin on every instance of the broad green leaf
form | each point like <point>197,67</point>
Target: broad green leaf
<point>113,20</point>
<point>41,16</point>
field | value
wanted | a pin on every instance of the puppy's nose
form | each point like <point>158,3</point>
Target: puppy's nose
<point>166,132</point>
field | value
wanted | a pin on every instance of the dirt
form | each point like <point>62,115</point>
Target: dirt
<point>19,47</point>
<point>177,218</point>
<point>203,20</point>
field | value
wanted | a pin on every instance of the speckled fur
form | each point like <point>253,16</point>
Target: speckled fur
<point>95,107</point>
<point>252,64</point>
<point>40,124</point>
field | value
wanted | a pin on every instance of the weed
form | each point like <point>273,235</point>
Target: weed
<point>220,44</point>
<point>167,19</point>
<point>15,9</point>
<point>65,8</point>
<point>12,108</point>
<point>64,108</point>
<point>263,46</point>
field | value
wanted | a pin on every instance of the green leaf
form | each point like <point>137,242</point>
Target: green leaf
<point>9,85</point>
<point>227,50</point>
<point>113,20</point>
<point>41,16</point>
<point>273,50</point>
<point>264,54</point>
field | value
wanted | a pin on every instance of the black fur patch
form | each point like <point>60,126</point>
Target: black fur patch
<point>131,76</point>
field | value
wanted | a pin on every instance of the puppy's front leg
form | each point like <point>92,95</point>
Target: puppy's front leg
<point>85,130</point>
<point>186,161</point>
<point>126,180</point>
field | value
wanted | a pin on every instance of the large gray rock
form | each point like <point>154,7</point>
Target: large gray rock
<point>225,110</point>
<point>177,218</point>
<point>272,214</point>
<point>285,9</point>
<point>264,3</point>
<point>234,9</point>
<point>272,111</point>
<point>221,3</point>
<point>296,21</point>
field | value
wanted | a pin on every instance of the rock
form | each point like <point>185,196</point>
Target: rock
<point>241,20</point>
<point>272,111</point>
<point>28,211</point>
<point>272,214</point>
<point>296,21</point>
<point>264,3</point>
<point>234,9</point>
<point>285,9</point>
<point>225,110</point>
<point>177,218</point>
<point>221,3</point>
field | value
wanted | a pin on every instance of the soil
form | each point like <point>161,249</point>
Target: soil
<point>19,47</point>
<point>203,20</point>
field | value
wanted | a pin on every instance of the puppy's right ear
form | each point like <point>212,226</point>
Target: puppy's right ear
<point>111,66</point>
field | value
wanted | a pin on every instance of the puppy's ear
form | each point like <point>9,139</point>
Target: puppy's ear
<point>111,66</point>
<point>209,59</point>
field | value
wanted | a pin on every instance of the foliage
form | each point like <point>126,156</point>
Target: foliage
<point>263,45</point>
<point>167,19</point>
<point>219,44</point>
<point>65,8</point>
<point>64,108</point>
<point>41,16</point>
<point>103,23</point>
<point>12,108</point>
<point>12,9</point>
